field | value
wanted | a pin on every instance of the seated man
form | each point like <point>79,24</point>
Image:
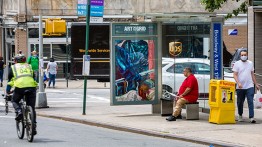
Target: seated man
<point>188,93</point>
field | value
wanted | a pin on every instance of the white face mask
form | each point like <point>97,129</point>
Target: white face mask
<point>243,58</point>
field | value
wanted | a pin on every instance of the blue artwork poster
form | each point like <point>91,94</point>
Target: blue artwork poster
<point>134,65</point>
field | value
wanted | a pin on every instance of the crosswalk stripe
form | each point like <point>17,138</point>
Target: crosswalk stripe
<point>7,116</point>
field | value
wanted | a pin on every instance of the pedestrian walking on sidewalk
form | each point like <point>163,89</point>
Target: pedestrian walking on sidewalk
<point>245,79</point>
<point>188,93</point>
<point>2,66</point>
<point>34,62</point>
<point>52,70</point>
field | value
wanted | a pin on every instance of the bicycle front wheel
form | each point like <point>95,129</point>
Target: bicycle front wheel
<point>20,128</point>
<point>30,125</point>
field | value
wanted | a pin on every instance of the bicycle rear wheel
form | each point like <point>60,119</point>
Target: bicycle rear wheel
<point>20,128</point>
<point>30,125</point>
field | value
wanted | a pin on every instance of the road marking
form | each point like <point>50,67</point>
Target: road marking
<point>54,90</point>
<point>69,98</point>
<point>98,98</point>
<point>2,103</point>
<point>65,101</point>
<point>88,97</point>
<point>7,116</point>
<point>75,102</point>
<point>78,94</point>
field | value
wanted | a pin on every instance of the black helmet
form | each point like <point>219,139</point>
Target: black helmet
<point>20,58</point>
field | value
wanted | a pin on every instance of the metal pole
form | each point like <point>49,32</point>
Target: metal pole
<point>41,101</point>
<point>86,51</point>
<point>66,56</point>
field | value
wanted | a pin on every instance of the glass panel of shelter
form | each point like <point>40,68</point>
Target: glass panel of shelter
<point>187,40</point>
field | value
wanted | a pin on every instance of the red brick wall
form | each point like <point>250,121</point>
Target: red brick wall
<point>21,41</point>
<point>237,41</point>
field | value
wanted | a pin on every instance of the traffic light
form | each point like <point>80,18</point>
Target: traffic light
<point>54,27</point>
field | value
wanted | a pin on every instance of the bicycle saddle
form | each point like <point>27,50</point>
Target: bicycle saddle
<point>27,92</point>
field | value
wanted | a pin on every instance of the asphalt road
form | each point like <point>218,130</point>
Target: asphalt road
<point>58,133</point>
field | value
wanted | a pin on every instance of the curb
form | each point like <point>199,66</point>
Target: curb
<point>140,131</point>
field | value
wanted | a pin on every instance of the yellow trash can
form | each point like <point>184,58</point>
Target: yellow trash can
<point>222,101</point>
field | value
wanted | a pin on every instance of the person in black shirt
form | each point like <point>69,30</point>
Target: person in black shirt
<point>2,66</point>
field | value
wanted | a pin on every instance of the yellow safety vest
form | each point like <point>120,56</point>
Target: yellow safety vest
<point>23,76</point>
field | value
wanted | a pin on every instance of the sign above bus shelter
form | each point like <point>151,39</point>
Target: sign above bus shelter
<point>134,29</point>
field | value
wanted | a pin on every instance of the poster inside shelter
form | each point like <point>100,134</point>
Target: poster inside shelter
<point>135,75</point>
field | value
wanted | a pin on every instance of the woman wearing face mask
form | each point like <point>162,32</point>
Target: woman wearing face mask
<point>245,80</point>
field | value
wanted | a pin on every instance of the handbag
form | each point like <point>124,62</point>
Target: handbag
<point>258,100</point>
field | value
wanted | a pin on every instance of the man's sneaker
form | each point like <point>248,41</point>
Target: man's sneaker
<point>240,119</point>
<point>19,116</point>
<point>179,116</point>
<point>171,118</point>
<point>252,120</point>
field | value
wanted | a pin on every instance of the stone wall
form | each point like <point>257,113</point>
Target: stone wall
<point>69,7</point>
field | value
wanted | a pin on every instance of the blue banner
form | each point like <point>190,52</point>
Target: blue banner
<point>96,11</point>
<point>217,59</point>
<point>81,9</point>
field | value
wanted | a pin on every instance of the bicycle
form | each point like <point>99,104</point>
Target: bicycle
<point>27,121</point>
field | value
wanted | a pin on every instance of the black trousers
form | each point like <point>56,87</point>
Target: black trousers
<point>30,99</point>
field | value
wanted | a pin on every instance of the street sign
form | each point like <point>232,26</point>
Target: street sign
<point>96,11</point>
<point>86,65</point>
<point>96,19</point>
<point>217,50</point>
<point>81,7</point>
<point>232,32</point>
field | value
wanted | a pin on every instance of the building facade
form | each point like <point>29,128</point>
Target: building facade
<point>19,22</point>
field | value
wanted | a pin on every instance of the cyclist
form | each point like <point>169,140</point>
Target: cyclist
<point>21,77</point>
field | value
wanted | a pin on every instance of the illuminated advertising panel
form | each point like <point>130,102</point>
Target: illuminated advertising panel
<point>133,64</point>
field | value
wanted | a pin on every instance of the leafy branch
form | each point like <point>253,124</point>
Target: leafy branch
<point>212,5</point>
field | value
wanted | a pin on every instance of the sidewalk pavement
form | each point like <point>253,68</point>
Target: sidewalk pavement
<point>139,119</point>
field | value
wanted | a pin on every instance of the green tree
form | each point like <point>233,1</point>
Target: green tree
<point>212,5</point>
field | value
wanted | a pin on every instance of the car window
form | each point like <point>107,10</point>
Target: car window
<point>201,68</point>
<point>179,67</point>
<point>164,64</point>
<point>176,68</point>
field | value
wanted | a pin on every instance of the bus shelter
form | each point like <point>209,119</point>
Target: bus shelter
<point>161,46</point>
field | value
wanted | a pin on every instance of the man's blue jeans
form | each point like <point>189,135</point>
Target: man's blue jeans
<point>241,95</point>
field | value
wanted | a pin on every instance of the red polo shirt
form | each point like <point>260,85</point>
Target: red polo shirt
<point>190,82</point>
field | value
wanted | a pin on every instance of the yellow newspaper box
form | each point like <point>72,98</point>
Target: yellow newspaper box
<point>222,101</point>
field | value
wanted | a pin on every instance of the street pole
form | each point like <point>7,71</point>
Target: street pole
<point>66,56</point>
<point>41,101</point>
<point>86,51</point>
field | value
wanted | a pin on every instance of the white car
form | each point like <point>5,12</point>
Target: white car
<point>172,74</point>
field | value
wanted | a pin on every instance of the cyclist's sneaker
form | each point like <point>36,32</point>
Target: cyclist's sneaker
<point>34,130</point>
<point>19,116</point>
